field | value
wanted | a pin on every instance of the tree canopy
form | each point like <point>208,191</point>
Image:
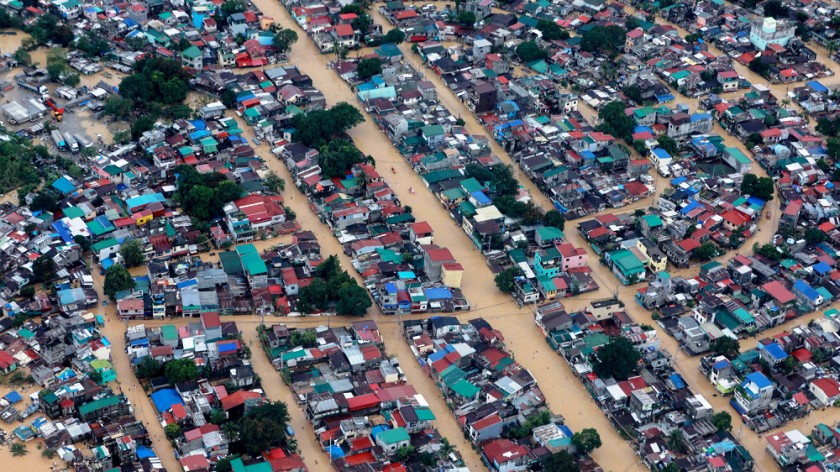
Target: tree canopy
<point>529,51</point>
<point>338,157</point>
<point>615,122</point>
<point>726,346</point>
<point>284,39</point>
<point>117,279</point>
<point>395,36</point>
<point>560,462</point>
<point>132,253</point>
<point>264,427</point>
<point>203,196</point>
<point>318,127</point>
<point>586,440</point>
<point>723,420</point>
<point>505,279</point>
<point>156,80</point>
<point>555,219</point>
<point>369,67</point>
<point>618,358</point>
<point>759,187</point>
<point>333,286</point>
<point>607,40</point>
<point>180,370</point>
<point>708,250</point>
<point>551,30</point>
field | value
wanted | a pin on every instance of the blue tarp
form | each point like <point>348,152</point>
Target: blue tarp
<point>108,262</point>
<point>140,342</point>
<point>63,231</point>
<point>144,452</point>
<point>677,381</point>
<point>336,452</point>
<point>187,283</point>
<point>225,347</point>
<point>678,180</point>
<point>438,293</point>
<point>164,399</point>
<point>756,201</point>
<point>816,86</point>
<point>13,397</point>
<point>406,275</point>
<point>481,198</point>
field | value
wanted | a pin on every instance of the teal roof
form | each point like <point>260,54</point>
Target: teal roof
<point>393,436</point>
<point>106,402</point>
<point>548,233</point>
<point>653,221</point>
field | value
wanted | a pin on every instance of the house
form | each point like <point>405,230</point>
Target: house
<point>504,455</point>
<point>193,58</point>
<point>735,158</point>
<point>434,258</point>
<point>212,326</point>
<point>7,363</point>
<point>626,266</point>
<point>826,390</point>
<point>130,308</point>
<point>483,97</point>
<point>768,30</point>
<point>807,295</point>
<point>755,393</point>
<point>393,440</point>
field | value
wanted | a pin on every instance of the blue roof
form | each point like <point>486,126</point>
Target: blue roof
<point>390,287</point>
<point>63,185</point>
<point>776,351</point>
<point>802,287</point>
<point>225,347</point>
<point>756,201</point>
<point>721,364</point>
<point>699,117</point>
<point>816,86</point>
<point>144,452</point>
<point>13,397</point>
<point>642,129</point>
<point>438,293</point>
<point>107,263</point>
<point>196,135</point>
<point>247,96</point>
<point>437,355</point>
<point>565,429</point>
<point>164,399</point>
<point>145,199</point>
<point>677,380</point>
<point>661,153</point>
<point>187,283</point>
<point>140,342</point>
<point>481,198</point>
<point>406,275</point>
<point>822,268</point>
<point>678,180</point>
<point>129,22</point>
<point>63,231</point>
<point>759,379</point>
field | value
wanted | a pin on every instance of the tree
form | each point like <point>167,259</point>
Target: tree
<point>72,79</point>
<point>775,9</point>
<point>118,107</point>
<point>172,431</point>
<point>633,92</point>
<point>132,253</point>
<point>764,188</point>
<point>63,35</point>
<point>23,56</point>
<point>19,449</point>
<point>555,218</point>
<point>759,67</point>
<point>217,416</point>
<point>631,23</point>
<point>706,251</point>
<point>362,24</point>
<point>48,453</point>
<point>395,36</point>
<point>675,441</point>
<point>117,279</point>
<point>551,30</point>
<point>815,236</point>
<point>44,200</point>
<point>618,359</point>
<point>283,40</point>
<point>560,462</point>
<point>607,40</point>
<point>529,51</point>
<point>587,440</point>
<point>352,300</point>
<point>27,291</point>
<point>615,122</point>
<point>264,427</point>
<point>748,184</point>
<point>466,19</point>
<point>180,370</point>
<point>313,296</point>
<point>668,144</point>
<point>231,7</point>
<point>369,67</point>
<point>43,268</point>
<point>148,368</point>
<point>338,157</point>
<point>275,183</point>
<point>505,279</point>
<point>305,338</point>
<point>722,421</point>
<point>19,320</point>
<point>96,376</point>
<point>229,98</point>
<point>318,127</point>
<point>726,346</point>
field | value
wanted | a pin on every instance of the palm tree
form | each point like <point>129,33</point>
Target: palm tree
<point>446,448</point>
<point>48,453</point>
<point>785,102</point>
<point>675,440</point>
<point>831,46</point>
<point>19,449</point>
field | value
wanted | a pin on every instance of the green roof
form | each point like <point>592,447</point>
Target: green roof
<point>100,364</point>
<point>230,262</point>
<point>73,212</point>
<point>471,185</point>
<point>680,75</point>
<point>169,332</point>
<point>653,220</point>
<point>465,389</point>
<point>439,175</point>
<point>432,130</point>
<point>517,255</point>
<point>627,262</point>
<point>104,244</point>
<point>424,414</point>
<point>393,436</point>
<point>106,402</point>
<point>191,52</point>
<point>547,233</point>
<point>454,193</point>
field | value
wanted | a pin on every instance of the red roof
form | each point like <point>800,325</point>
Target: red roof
<point>344,30</point>
<point>829,386</point>
<point>362,402</point>
<point>778,292</point>
<point>502,451</point>
<point>238,398</point>
<point>689,244</point>
<point>210,320</point>
<point>636,188</point>
<point>421,228</point>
